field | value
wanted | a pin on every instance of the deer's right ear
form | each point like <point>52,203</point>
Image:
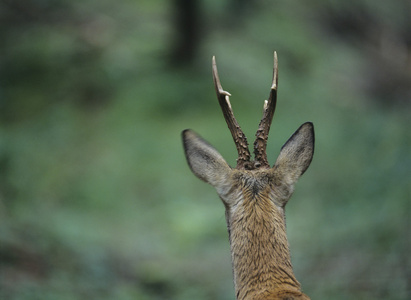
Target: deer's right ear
<point>296,154</point>
<point>204,161</point>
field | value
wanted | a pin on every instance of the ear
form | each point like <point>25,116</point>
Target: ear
<point>296,154</point>
<point>205,161</point>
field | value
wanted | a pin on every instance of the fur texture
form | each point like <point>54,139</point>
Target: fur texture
<point>255,201</point>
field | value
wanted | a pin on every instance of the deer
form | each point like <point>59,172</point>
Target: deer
<point>254,195</point>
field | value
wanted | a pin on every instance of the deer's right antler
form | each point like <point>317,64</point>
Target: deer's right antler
<point>260,143</point>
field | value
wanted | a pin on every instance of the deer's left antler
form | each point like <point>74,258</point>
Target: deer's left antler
<point>238,135</point>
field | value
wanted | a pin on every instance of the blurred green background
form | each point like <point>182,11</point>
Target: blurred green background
<point>96,199</point>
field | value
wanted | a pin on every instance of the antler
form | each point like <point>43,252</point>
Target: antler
<point>240,140</point>
<point>260,143</point>
<point>238,135</point>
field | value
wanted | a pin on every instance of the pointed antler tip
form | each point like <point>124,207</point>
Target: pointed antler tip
<point>214,66</point>
<point>275,72</point>
<point>214,61</point>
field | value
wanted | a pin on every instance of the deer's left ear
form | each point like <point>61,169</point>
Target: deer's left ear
<point>296,154</point>
<point>205,161</point>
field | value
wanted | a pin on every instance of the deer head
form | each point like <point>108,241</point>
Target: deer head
<point>255,195</point>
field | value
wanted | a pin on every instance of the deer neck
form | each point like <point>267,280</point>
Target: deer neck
<point>259,247</point>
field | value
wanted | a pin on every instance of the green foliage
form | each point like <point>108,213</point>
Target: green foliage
<point>96,199</point>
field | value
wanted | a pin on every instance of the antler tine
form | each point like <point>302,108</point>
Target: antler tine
<point>260,143</point>
<point>238,135</point>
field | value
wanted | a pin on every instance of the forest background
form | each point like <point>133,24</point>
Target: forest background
<point>96,199</point>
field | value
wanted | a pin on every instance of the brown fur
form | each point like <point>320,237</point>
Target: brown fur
<point>255,201</point>
<point>255,196</point>
<point>259,245</point>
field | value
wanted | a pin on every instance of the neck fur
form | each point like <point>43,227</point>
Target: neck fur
<point>259,248</point>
